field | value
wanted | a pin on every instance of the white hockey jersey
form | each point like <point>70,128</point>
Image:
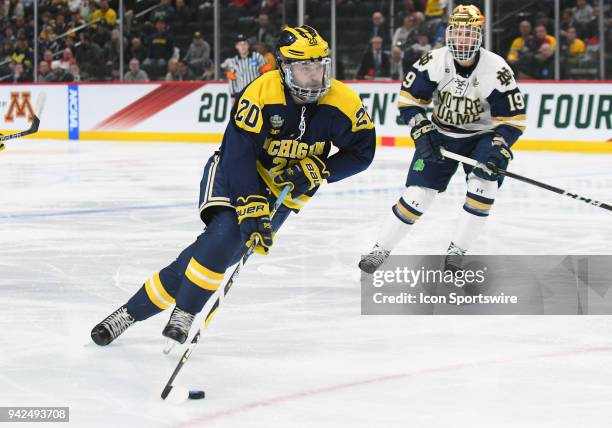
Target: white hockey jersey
<point>485,100</point>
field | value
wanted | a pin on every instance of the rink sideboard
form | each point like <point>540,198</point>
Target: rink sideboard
<point>561,116</point>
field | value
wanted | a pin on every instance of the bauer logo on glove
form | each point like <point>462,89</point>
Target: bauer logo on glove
<point>306,175</point>
<point>254,220</point>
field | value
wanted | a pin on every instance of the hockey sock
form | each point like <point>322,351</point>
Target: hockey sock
<point>478,202</point>
<point>413,203</point>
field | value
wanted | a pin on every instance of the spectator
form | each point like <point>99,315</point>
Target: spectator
<point>544,62</point>
<point>60,24</point>
<point>375,63</point>
<point>541,18</point>
<point>405,35</point>
<point>243,68</point>
<point>48,58</point>
<point>135,74</point>
<point>59,74</point>
<point>137,50</point>
<point>520,43</point>
<point>584,18</point>
<point>209,71</point>
<point>572,48</point>
<point>48,40</point>
<point>198,53</point>
<point>7,51</point>
<point>160,45</point>
<point>16,8</point>
<point>164,12</point>
<point>76,19</point>
<point>583,12</point>
<point>75,72</point>
<point>45,19</point>
<point>67,59</point>
<point>88,8</point>
<point>89,55</point>
<point>379,28</point>
<point>567,21</point>
<point>44,72</point>
<point>22,54</point>
<point>183,72</point>
<point>184,14</point>
<point>108,15</point>
<point>21,26</point>
<point>265,32</point>
<point>397,66</point>
<point>9,35</point>
<point>69,42</point>
<point>19,75</point>
<point>263,50</point>
<point>537,60</point>
<point>416,51</point>
<point>419,22</point>
<point>111,54</point>
<point>101,35</point>
<point>172,73</point>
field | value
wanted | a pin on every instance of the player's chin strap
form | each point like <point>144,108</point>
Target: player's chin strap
<point>219,296</point>
<point>476,164</point>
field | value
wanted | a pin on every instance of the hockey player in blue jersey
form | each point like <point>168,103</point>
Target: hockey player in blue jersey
<point>280,134</point>
<point>478,111</point>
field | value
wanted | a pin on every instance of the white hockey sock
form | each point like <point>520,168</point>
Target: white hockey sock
<point>478,202</point>
<point>413,203</point>
<point>468,229</point>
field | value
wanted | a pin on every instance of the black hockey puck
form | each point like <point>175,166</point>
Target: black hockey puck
<point>196,395</point>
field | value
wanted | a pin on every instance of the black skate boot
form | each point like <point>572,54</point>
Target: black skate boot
<point>178,326</point>
<point>454,258</point>
<point>374,259</point>
<point>112,326</point>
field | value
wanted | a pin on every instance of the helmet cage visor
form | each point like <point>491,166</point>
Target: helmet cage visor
<point>463,40</point>
<point>308,80</point>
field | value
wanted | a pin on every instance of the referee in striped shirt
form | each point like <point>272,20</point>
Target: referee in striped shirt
<point>243,68</point>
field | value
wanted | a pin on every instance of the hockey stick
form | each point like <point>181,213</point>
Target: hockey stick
<point>40,104</point>
<point>475,163</point>
<point>213,310</point>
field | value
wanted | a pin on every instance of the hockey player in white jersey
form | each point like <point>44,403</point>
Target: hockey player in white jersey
<point>478,111</point>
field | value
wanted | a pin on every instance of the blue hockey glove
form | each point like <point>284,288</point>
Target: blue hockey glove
<point>305,175</point>
<point>499,155</point>
<point>427,139</point>
<point>254,221</point>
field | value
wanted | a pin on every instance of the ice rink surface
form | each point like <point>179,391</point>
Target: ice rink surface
<point>83,224</point>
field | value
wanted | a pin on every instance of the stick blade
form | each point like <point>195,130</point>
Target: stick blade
<point>40,104</point>
<point>166,391</point>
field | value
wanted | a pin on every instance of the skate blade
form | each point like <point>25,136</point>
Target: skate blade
<point>170,344</point>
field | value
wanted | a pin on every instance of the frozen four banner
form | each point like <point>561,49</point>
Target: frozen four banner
<point>573,116</point>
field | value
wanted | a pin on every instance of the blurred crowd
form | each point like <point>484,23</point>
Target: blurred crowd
<point>531,53</point>
<point>79,40</point>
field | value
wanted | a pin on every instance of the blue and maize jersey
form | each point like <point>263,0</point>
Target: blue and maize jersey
<point>268,132</point>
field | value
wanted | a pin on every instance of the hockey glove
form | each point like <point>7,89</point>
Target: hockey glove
<point>254,221</point>
<point>305,175</point>
<point>499,155</point>
<point>427,139</point>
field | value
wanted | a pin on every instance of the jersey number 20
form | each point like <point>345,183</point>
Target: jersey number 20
<point>247,113</point>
